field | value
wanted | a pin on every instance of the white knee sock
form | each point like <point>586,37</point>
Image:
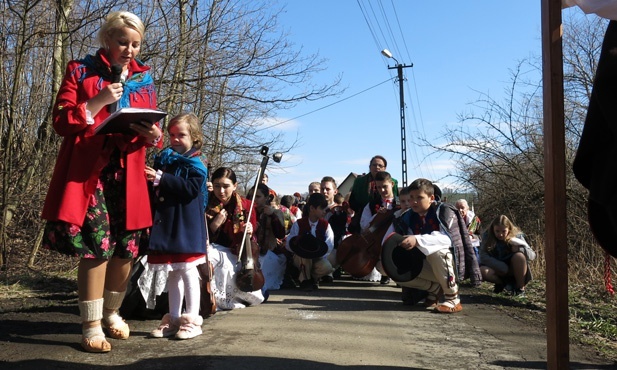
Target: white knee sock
<point>175,289</point>
<point>92,332</point>
<point>111,305</point>
<point>91,310</point>
<point>192,290</point>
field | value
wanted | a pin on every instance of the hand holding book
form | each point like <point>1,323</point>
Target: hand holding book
<point>120,121</point>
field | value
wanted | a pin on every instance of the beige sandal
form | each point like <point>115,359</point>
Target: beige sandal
<point>115,325</point>
<point>118,330</point>
<point>96,343</point>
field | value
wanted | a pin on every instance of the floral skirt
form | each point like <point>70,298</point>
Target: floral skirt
<point>103,233</point>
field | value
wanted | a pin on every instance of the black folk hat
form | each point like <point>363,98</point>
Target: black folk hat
<point>400,264</point>
<point>308,246</point>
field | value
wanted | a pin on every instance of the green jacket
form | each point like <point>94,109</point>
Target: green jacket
<point>361,193</point>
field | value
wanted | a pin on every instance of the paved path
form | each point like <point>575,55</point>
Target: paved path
<point>346,325</point>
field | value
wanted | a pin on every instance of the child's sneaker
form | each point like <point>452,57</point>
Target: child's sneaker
<point>518,293</point>
<point>167,328</point>
<point>190,326</point>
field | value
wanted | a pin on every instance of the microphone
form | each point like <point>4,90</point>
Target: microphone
<point>116,74</point>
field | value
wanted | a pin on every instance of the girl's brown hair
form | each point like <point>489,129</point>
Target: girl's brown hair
<point>501,220</point>
<point>194,128</point>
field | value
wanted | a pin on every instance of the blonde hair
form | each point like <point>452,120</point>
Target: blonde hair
<point>501,220</point>
<point>117,21</point>
<point>192,122</point>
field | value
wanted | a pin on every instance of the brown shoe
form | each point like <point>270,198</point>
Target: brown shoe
<point>449,307</point>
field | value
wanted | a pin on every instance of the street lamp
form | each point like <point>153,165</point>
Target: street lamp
<point>399,68</point>
<point>386,53</point>
<point>276,157</point>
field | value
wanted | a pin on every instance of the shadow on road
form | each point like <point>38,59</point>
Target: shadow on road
<point>254,363</point>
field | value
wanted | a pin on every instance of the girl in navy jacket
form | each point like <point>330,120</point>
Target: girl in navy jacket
<point>178,238</point>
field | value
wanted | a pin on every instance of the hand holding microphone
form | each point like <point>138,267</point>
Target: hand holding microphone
<point>116,75</point>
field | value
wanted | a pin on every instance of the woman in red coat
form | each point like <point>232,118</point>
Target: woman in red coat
<point>97,205</point>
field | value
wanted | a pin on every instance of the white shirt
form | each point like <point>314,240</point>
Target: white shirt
<point>295,229</point>
<point>427,243</point>
<point>368,216</point>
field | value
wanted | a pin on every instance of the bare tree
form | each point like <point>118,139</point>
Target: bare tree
<point>498,145</point>
<point>232,66</point>
<point>229,61</point>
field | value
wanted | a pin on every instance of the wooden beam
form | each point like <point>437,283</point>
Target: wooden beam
<point>558,350</point>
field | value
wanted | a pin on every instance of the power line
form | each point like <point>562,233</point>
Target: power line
<point>418,151</point>
<point>368,23</point>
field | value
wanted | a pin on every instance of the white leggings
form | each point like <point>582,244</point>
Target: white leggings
<point>183,285</point>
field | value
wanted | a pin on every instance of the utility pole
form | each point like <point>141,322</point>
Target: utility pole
<point>399,68</point>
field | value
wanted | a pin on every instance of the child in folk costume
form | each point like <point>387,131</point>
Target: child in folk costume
<point>178,238</point>
<point>425,232</point>
<point>409,296</point>
<point>385,187</point>
<point>386,201</point>
<point>311,240</point>
<point>505,256</point>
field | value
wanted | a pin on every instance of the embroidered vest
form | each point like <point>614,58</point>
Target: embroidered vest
<point>414,221</point>
<point>304,227</point>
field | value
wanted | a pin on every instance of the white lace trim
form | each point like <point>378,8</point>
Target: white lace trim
<point>227,294</point>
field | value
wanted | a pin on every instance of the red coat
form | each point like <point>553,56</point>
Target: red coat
<point>83,155</point>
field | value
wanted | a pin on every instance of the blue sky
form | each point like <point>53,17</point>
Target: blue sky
<point>458,50</point>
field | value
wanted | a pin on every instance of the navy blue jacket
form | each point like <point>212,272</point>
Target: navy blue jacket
<point>179,223</point>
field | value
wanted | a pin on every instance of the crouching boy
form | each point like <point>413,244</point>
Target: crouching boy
<point>435,264</point>
<point>311,240</point>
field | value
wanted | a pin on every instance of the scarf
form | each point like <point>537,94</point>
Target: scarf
<point>192,160</point>
<point>139,83</point>
<point>237,216</point>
